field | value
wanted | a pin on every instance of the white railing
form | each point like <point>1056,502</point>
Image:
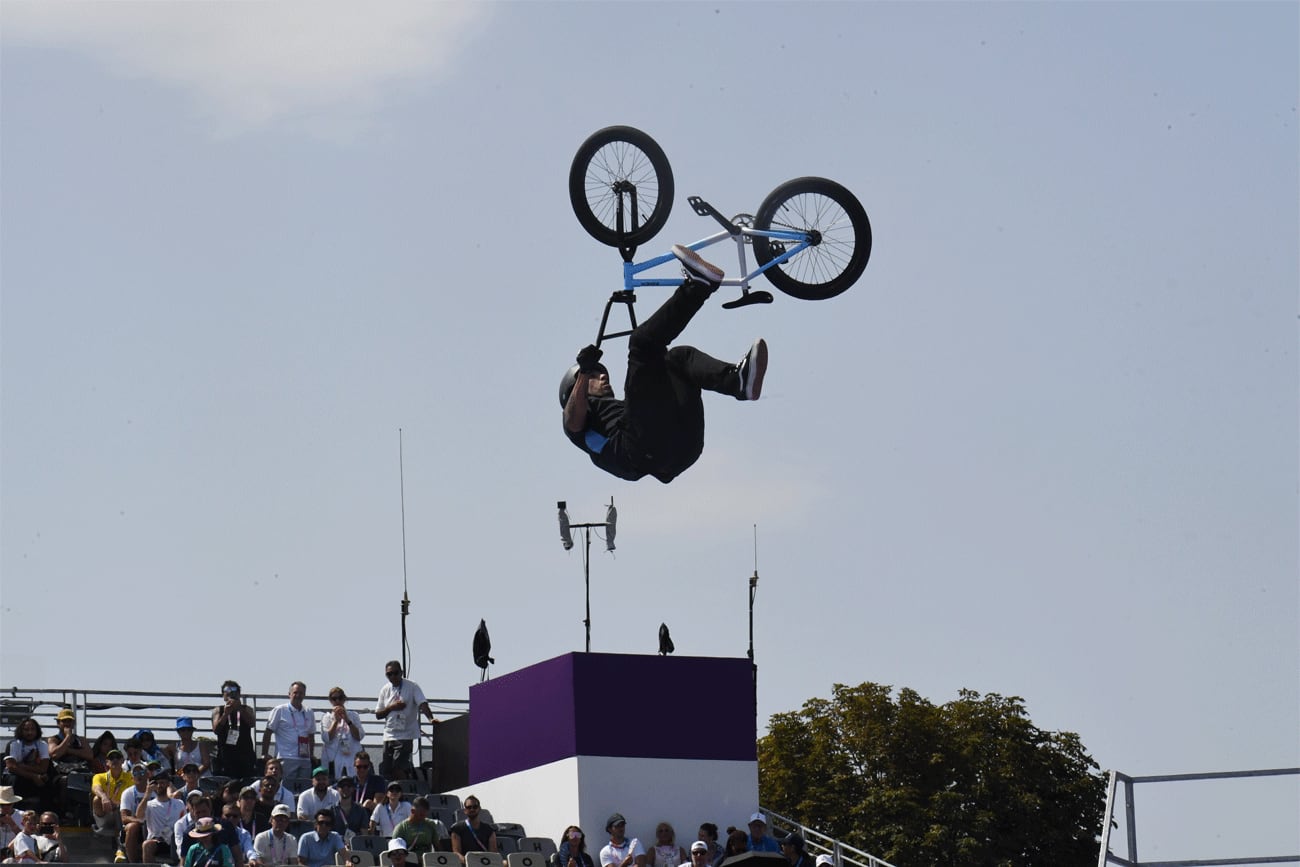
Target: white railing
<point>817,843</point>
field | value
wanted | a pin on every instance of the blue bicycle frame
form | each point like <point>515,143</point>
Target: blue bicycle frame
<point>796,241</point>
<point>800,240</point>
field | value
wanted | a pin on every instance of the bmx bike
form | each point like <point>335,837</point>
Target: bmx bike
<point>810,237</point>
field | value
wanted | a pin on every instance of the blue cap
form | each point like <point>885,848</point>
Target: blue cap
<point>184,722</point>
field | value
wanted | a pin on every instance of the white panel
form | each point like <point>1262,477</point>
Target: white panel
<point>588,789</point>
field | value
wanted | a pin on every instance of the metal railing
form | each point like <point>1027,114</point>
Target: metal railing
<point>123,712</point>
<point>1106,857</point>
<point>816,843</point>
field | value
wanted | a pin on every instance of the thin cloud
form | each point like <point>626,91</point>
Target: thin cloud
<point>252,65</point>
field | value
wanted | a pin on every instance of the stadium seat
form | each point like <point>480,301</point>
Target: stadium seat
<point>544,845</point>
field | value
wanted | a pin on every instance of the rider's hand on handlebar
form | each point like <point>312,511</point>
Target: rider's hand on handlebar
<point>588,358</point>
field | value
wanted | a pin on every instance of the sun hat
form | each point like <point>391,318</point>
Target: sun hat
<point>7,795</point>
<point>205,827</point>
<point>396,844</point>
<point>66,713</point>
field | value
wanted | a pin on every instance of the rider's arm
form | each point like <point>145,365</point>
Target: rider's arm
<point>575,408</point>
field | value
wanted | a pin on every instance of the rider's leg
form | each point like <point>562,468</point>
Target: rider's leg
<point>743,381</point>
<point>704,371</point>
<point>651,338</point>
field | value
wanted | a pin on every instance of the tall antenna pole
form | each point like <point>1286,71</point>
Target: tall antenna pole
<point>406,600</point>
<point>753,591</point>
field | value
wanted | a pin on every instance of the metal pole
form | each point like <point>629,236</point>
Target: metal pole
<point>586,574</point>
<point>1130,819</point>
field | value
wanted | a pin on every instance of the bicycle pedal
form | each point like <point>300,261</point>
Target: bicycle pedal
<point>704,209</point>
<point>758,296</point>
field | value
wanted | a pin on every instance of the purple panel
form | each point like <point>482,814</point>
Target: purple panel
<point>522,720</point>
<point>604,704</point>
<point>666,707</point>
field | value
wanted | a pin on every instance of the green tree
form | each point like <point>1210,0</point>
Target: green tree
<point>970,782</point>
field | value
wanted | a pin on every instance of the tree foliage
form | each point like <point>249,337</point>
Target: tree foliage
<point>970,782</point>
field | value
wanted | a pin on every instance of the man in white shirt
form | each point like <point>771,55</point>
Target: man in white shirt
<point>400,703</point>
<point>620,851</point>
<point>319,797</point>
<point>281,792</point>
<point>294,727</point>
<point>161,813</point>
<point>133,817</point>
<point>276,846</point>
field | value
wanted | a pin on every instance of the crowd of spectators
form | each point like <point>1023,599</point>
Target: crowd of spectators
<point>300,806</point>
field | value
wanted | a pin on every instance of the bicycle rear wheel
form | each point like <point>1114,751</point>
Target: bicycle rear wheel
<point>617,172</point>
<point>841,238</point>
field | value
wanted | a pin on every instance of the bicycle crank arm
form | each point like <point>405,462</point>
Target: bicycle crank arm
<point>704,209</point>
<point>758,296</point>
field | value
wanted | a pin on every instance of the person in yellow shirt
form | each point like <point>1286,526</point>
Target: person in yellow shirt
<point>106,794</point>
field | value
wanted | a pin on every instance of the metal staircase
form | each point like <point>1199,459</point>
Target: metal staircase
<point>818,843</point>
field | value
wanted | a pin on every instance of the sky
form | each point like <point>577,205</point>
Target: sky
<point>1046,446</point>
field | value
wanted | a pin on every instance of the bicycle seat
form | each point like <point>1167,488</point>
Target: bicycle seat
<point>758,296</point>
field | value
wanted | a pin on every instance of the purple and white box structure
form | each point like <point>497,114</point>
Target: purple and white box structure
<point>578,737</point>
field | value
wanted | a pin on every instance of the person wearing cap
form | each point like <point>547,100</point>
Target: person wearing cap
<point>276,846</point>
<point>699,854</point>
<point>319,797</point>
<point>340,734</point>
<point>620,851</point>
<point>197,806</point>
<point>792,847</point>
<point>385,818</point>
<point>187,749</point>
<point>67,745</point>
<point>396,852</point>
<point>132,819</point>
<point>419,831</point>
<point>824,861</point>
<point>232,723</point>
<point>294,727</point>
<point>106,791</point>
<point>209,852</point>
<point>708,835</point>
<point>253,817</point>
<point>759,840</point>
<point>317,847</point>
<point>150,749</point>
<point>9,826</point>
<point>160,814</point>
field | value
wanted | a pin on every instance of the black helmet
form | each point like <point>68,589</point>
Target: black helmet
<point>570,377</point>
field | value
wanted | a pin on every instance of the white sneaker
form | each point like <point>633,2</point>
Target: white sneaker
<point>752,368</point>
<point>695,267</point>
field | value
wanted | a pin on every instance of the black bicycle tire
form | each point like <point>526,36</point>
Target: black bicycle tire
<point>660,173</point>
<point>835,265</point>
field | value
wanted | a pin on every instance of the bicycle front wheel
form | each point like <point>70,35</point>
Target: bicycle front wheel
<point>839,228</point>
<point>621,186</point>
